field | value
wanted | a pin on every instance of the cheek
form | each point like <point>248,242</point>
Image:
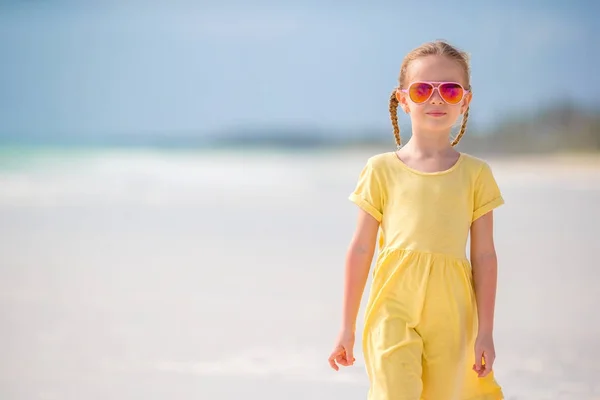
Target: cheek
<point>456,112</point>
<point>416,109</point>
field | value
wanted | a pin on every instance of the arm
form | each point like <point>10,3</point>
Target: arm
<point>370,199</point>
<point>485,270</point>
<point>358,262</point>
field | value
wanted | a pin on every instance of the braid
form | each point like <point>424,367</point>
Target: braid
<point>394,117</point>
<point>463,128</point>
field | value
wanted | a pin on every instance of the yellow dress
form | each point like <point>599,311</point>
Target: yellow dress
<point>421,317</point>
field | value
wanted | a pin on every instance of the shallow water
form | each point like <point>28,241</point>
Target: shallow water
<point>218,276</point>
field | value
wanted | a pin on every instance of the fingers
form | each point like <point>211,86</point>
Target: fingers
<point>478,356</point>
<point>340,357</point>
<point>484,363</point>
<point>336,356</point>
<point>489,364</point>
<point>332,362</point>
<point>349,357</point>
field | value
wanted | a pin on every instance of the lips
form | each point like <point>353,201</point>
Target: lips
<point>436,113</point>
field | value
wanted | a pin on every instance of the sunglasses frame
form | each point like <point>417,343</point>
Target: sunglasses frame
<point>436,88</point>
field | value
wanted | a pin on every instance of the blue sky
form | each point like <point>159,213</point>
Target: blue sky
<point>135,67</point>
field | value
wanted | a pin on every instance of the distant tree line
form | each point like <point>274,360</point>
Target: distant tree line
<point>558,129</point>
<point>562,128</point>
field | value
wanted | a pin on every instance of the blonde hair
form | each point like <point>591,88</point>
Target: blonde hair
<point>441,48</point>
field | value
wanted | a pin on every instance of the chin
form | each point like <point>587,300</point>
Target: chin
<point>441,124</point>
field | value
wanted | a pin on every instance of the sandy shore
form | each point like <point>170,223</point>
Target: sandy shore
<point>218,276</point>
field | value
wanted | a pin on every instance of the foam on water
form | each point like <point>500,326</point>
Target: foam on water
<point>150,178</point>
<point>162,178</point>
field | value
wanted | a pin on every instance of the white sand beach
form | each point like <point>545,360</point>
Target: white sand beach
<point>218,276</point>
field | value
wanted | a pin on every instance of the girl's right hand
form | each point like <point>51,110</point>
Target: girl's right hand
<point>342,353</point>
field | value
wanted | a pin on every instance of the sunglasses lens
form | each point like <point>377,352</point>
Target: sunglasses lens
<point>420,92</point>
<point>451,92</point>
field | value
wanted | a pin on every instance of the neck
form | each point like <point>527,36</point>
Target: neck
<point>430,143</point>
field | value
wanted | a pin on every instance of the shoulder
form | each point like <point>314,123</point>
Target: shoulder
<point>475,165</point>
<point>381,162</point>
<point>377,170</point>
<point>380,165</point>
<point>481,175</point>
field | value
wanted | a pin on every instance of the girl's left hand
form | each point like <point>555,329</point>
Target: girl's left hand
<point>484,351</point>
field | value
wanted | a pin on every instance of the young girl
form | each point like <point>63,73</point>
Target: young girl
<point>429,318</point>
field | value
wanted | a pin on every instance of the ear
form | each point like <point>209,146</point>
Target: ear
<point>466,102</point>
<point>402,101</point>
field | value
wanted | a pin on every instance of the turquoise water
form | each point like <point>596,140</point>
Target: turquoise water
<point>25,157</point>
<point>31,157</point>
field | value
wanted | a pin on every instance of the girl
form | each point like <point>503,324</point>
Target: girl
<point>429,318</point>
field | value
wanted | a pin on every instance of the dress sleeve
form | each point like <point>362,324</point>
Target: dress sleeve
<point>367,193</point>
<point>487,193</point>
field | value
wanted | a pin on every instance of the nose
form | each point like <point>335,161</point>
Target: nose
<point>435,97</point>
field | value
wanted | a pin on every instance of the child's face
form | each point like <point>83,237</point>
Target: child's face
<point>434,114</point>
